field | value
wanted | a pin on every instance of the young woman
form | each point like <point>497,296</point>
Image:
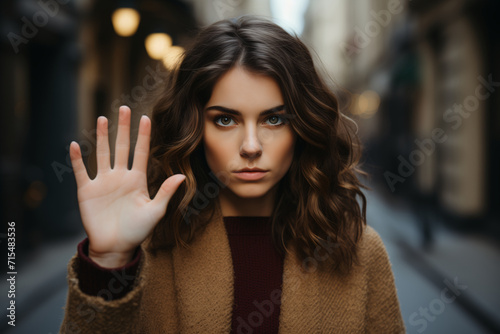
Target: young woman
<point>254,226</point>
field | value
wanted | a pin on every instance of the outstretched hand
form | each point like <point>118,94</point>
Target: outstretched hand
<point>116,209</point>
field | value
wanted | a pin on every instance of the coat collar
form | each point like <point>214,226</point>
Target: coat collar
<point>209,305</point>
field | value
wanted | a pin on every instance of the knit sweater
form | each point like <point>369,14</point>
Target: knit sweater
<point>258,270</point>
<point>193,291</point>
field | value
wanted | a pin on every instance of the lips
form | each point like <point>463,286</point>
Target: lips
<point>255,169</point>
<point>250,174</point>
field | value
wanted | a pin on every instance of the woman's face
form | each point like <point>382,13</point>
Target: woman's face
<point>244,129</point>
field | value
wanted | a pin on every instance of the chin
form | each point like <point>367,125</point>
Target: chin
<point>250,190</point>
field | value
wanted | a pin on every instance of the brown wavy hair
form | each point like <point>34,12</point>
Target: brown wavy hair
<point>317,200</point>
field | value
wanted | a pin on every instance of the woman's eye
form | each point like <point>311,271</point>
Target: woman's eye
<point>223,120</point>
<point>276,120</point>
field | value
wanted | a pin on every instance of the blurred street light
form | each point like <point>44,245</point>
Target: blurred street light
<point>125,21</point>
<point>158,44</point>
<point>366,104</point>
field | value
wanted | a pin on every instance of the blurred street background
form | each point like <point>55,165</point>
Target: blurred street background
<point>419,77</point>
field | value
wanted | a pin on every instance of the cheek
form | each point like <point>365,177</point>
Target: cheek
<point>216,150</point>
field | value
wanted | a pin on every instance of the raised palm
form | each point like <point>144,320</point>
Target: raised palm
<point>116,209</point>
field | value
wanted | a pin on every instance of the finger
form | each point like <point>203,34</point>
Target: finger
<point>142,146</point>
<point>102,148</point>
<point>167,190</point>
<point>79,169</point>
<point>122,146</point>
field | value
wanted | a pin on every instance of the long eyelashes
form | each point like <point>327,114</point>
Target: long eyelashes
<point>283,119</point>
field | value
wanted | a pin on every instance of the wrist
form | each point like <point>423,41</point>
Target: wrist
<point>112,259</point>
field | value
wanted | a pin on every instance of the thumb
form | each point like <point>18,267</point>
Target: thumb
<point>167,190</point>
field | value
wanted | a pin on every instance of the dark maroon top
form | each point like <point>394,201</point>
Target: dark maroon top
<point>258,272</point>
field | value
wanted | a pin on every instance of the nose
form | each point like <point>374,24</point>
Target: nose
<point>251,146</point>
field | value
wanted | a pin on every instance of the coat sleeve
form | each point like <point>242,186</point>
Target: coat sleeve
<point>112,283</point>
<point>383,310</point>
<point>84,313</point>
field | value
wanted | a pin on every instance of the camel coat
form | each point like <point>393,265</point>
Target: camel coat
<point>191,291</point>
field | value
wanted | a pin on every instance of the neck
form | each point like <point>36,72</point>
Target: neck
<point>233,205</point>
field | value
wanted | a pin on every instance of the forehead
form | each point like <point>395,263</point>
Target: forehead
<point>244,90</point>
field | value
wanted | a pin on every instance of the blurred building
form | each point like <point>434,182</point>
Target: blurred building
<point>424,81</point>
<point>39,57</point>
<point>458,46</point>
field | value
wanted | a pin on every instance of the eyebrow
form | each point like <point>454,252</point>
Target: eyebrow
<point>237,113</point>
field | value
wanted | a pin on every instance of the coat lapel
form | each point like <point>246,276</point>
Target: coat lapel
<point>300,310</point>
<point>204,282</point>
